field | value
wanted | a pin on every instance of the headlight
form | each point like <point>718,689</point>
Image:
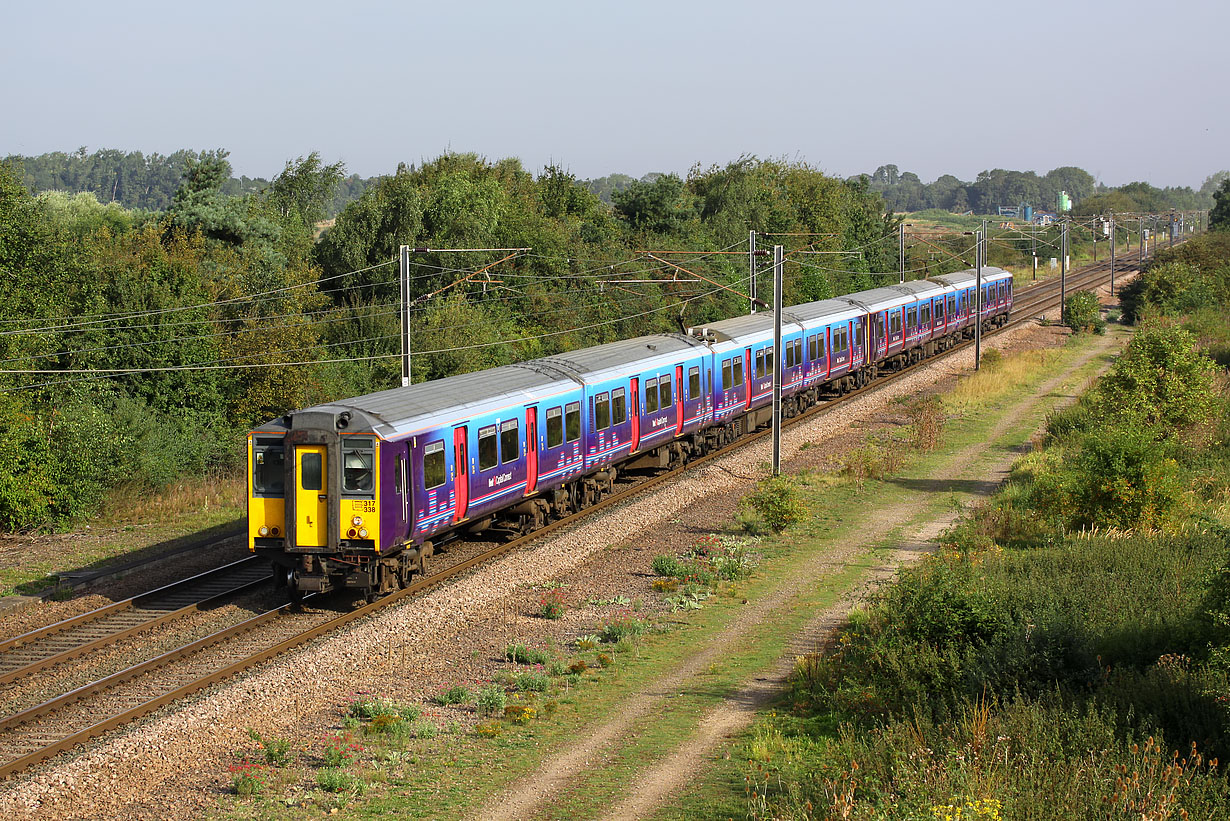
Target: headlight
<point>264,531</point>
<point>356,521</point>
<point>363,533</point>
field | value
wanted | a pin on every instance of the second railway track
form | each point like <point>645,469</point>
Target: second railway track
<point>87,712</point>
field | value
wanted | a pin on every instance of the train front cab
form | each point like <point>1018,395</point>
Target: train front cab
<point>313,508</point>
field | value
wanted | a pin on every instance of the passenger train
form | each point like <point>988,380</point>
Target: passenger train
<point>356,494</point>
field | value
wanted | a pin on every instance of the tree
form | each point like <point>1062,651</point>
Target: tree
<point>660,206</point>
<point>303,191</point>
<point>1219,217</point>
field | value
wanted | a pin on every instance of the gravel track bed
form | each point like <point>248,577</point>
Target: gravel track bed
<point>174,763</point>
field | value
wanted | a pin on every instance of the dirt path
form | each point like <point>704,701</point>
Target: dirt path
<point>531,795</point>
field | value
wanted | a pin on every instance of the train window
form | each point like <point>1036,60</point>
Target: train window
<point>510,442</point>
<point>572,421</point>
<point>710,374</point>
<point>811,348</point>
<point>798,351</point>
<point>924,314</point>
<point>736,366</point>
<point>309,465</point>
<point>789,355</point>
<point>433,465</point>
<point>358,463</point>
<point>602,411</point>
<point>619,406</point>
<point>555,427</point>
<point>268,466</point>
<point>693,383</point>
<point>726,376</point>
<point>760,363</point>
<point>488,449</point>
<point>664,391</point>
<point>894,322</point>
<point>651,395</point>
<point>952,305</point>
<point>911,319</point>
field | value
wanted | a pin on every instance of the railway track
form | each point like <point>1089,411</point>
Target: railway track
<point>58,725</point>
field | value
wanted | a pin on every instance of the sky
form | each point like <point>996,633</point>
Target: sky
<point>1127,90</point>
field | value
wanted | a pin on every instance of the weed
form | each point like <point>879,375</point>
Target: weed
<point>341,750</point>
<point>577,667</point>
<point>457,694</point>
<point>275,750</point>
<point>248,779</point>
<point>551,605</point>
<point>665,585</point>
<point>557,668</point>
<point>335,780</point>
<point>519,713</point>
<point>588,641</point>
<point>488,729</point>
<point>619,628</point>
<point>605,660</point>
<point>423,729</point>
<point>385,724</point>
<point>523,654</point>
<point>369,707</point>
<point>666,565</point>
<point>490,701</point>
<point>533,682</point>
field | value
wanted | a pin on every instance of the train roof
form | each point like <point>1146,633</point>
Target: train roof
<point>880,299</point>
<point>825,312</point>
<point>922,288</point>
<point>397,411</point>
<point>624,356</point>
<point>965,279</point>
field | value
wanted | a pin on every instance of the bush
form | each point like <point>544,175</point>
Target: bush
<point>551,605</point>
<point>1083,312</point>
<point>778,503</point>
<point>1161,379</point>
<point>275,750</point>
<point>619,628</point>
<point>532,682</point>
<point>341,750</point>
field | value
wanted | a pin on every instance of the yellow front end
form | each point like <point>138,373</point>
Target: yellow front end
<point>360,518</point>
<point>266,505</point>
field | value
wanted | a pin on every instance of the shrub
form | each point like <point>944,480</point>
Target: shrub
<point>1161,379</point>
<point>778,503</point>
<point>490,701</point>
<point>369,707</point>
<point>927,418</point>
<point>588,641</point>
<point>385,724</point>
<point>423,729</point>
<point>604,660</point>
<point>1083,312</point>
<point>577,667</point>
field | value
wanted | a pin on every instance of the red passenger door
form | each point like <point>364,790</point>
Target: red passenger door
<point>678,399</point>
<point>531,450</point>
<point>635,410</point>
<point>461,481</point>
<point>747,374</point>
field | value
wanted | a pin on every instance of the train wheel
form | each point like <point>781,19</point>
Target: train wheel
<point>290,582</point>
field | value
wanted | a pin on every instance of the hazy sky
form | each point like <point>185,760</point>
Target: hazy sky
<point>1127,90</point>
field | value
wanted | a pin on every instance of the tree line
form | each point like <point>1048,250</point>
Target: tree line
<point>904,191</point>
<point>163,334</point>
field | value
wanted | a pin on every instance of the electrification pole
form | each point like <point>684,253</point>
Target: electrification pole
<point>978,299</point>
<point>1112,254</point>
<point>405,315</point>
<point>901,249</point>
<point>777,360</point>
<point>751,268</point>
<point>1063,276</point>
<point>1034,234</point>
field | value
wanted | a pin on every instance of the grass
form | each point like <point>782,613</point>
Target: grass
<point>132,524</point>
<point>452,774</point>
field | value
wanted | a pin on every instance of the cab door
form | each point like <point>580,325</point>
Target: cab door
<point>635,410</point>
<point>531,450</point>
<point>311,499</point>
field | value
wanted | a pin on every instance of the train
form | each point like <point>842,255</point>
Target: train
<point>356,494</point>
